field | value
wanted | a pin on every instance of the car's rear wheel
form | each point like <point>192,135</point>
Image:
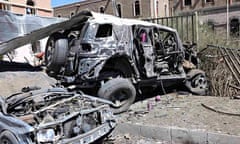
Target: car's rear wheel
<point>196,82</point>
<point>6,137</point>
<point>120,91</point>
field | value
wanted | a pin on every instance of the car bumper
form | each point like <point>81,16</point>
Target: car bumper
<point>90,136</point>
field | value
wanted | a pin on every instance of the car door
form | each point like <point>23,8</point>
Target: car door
<point>148,52</point>
<point>166,49</point>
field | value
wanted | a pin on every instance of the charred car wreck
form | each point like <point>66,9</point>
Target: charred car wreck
<point>117,59</point>
<point>54,116</point>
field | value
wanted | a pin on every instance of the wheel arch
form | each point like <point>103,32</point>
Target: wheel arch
<point>11,133</point>
<point>122,63</point>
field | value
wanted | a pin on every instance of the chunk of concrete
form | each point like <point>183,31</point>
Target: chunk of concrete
<point>161,133</point>
<point>216,138</point>
<point>181,135</point>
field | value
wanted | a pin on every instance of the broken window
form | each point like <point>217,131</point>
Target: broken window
<point>119,8</point>
<point>187,2</point>
<point>137,8</point>
<point>30,9</point>
<point>104,30</point>
<point>234,27</point>
<point>211,24</point>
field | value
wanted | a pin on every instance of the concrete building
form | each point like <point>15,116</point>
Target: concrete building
<point>213,12</point>
<point>32,7</point>
<point>126,8</point>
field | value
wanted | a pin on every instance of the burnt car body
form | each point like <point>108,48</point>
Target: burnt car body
<point>54,116</point>
<point>104,52</point>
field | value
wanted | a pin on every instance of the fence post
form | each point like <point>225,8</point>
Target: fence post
<point>197,33</point>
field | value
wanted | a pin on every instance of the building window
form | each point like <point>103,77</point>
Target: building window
<point>59,16</point>
<point>211,24</point>
<point>101,9</point>
<point>209,1</point>
<point>187,2</point>
<point>157,8</point>
<point>72,14</point>
<point>137,8</point>
<point>5,7</point>
<point>119,8</point>
<point>165,10</point>
<point>234,27</point>
<point>30,10</point>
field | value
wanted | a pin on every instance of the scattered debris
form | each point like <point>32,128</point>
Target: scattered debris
<point>224,82</point>
<point>218,111</point>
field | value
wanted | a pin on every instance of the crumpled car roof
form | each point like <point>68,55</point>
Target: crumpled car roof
<point>42,31</point>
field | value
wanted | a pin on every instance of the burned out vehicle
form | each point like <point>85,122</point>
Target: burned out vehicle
<point>117,59</point>
<point>54,116</point>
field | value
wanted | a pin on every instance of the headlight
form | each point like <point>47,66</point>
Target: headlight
<point>106,115</point>
<point>46,135</point>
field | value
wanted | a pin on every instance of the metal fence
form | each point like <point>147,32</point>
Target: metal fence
<point>185,25</point>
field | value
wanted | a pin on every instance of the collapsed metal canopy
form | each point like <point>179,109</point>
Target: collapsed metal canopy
<point>17,31</point>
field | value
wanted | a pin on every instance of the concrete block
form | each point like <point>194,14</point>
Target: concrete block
<point>163,133</point>
<point>128,128</point>
<point>198,136</point>
<point>216,138</point>
<point>160,133</point>
<point>185,136</point>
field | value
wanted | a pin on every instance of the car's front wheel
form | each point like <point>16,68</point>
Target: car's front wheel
<point>6,137</point>
<point>120,91</point>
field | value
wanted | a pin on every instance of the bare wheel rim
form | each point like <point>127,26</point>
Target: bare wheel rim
<point>5,141</point>
<point>199,82</point>
<point>50,50</point>
<point>120,98</point>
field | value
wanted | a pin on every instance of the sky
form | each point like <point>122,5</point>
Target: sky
<point>62,2</point>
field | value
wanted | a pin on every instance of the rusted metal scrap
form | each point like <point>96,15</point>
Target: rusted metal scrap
<point>231,58</point>
<point>219,111</point>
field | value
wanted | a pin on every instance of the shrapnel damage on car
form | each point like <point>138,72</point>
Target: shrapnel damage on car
<point>54,116</point>
<point>117,58</point>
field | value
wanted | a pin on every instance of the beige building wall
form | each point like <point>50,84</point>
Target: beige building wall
<point>179,5</point>
<point>41,7</point>
<point>18,9</point>
<point>147,8</point>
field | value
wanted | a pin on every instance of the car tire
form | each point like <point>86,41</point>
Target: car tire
<point>6,137</point>
<point>56,53</point>
<point>120,91</point>
<point>196,82</point>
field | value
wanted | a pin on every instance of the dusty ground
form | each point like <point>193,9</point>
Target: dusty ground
<point>186,111</point>
<point>13,82</point>
<point>130,139</point>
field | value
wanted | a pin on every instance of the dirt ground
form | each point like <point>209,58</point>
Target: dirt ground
<point>187,111</point>
<point>13,82</point>
<point>130,139</point>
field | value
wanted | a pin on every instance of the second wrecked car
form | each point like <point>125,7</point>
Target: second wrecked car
<point>54,116</point>
<point>118,58</point>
